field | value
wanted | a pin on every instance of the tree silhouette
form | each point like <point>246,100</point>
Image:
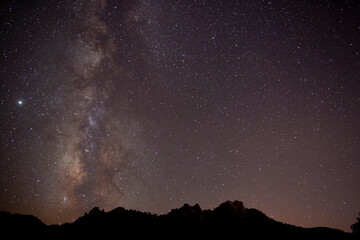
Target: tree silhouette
<point>356,227</point>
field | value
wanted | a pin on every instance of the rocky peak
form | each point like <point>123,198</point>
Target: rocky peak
<point>231,208</point>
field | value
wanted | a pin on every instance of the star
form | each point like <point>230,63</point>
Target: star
<point>126,103</point>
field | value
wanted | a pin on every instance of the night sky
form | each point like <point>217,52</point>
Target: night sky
<point>150,104</point>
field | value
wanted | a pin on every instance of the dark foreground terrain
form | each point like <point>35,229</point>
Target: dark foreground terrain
<point>230,220</point>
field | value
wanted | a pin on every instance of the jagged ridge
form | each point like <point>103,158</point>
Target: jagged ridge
<point>230,218</point>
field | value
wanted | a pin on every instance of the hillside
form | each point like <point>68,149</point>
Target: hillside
<point>229,219</point>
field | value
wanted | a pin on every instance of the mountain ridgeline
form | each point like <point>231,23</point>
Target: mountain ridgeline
<point>229,220</point>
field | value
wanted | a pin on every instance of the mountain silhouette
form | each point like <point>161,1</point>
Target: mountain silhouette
<point>229,220</point>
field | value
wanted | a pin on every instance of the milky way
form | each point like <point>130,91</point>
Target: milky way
<point>97,159</point>
<point>150,104</point>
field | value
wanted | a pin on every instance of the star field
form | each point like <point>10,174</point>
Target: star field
<point>150,104</point>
